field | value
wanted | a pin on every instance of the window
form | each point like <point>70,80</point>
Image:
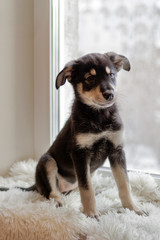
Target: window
<point>131,28</point>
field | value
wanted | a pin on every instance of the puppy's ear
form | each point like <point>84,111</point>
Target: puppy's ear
<point>119,61</point>
<point>64,74</point>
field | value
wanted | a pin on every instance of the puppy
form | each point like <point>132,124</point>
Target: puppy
<point>92,133</point>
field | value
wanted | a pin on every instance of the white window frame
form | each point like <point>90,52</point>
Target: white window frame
<point>46,68</point>
<point>54,67</point>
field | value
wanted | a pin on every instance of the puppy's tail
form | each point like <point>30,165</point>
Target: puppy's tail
<point>32,188</point>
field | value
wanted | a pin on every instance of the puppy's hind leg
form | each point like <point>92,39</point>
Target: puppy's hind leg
<point>46,178</point>
<point>52,170</point>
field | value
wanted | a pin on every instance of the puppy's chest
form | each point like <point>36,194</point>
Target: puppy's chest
<point>88,139</point>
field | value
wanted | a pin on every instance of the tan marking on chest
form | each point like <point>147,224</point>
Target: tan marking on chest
<point>88,139</point>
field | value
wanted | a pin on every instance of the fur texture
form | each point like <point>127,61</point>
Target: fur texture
<point>92,134</point>
<point>29,216</point>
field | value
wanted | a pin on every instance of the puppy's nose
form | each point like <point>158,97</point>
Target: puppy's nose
<point>109,95</point>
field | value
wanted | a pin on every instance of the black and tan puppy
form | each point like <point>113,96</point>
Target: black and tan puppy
<point>92,133</point>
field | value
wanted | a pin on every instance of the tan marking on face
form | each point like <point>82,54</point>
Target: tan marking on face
<point>88,74</point>
<point>92,96</point>
<point>108,70</point>
<point>124,188</point>
<point>87,81</point>
<point>93,71</point>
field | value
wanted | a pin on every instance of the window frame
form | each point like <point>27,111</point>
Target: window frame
<point>46,68</point>
<point>54,67</point>
<point>56,16</point>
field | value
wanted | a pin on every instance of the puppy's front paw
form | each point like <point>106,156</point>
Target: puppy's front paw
<point>93,213</point>
<point>59,204</point>
<point>139,211</point>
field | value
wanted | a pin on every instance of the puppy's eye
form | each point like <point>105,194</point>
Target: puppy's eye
<point>112,75</point>
<point>90,81</point>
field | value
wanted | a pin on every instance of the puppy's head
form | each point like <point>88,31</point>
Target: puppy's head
<point>93,78</point>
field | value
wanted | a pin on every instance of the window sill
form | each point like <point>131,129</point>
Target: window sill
<point>106,171</point>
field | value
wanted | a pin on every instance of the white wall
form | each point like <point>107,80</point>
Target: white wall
<point>16,82</point>
<point>41,77</point>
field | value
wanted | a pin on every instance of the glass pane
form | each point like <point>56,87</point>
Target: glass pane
<point>131,28</point>
<point>68,51</point>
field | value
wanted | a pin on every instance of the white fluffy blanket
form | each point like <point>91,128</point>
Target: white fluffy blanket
<point>27,215</point>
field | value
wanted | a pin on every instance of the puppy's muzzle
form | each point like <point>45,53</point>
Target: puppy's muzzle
<point>108,95</point>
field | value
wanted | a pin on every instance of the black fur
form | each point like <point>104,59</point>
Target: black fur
<point>84,119</point>
<point>72,160</point>
<point>87,117</point>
